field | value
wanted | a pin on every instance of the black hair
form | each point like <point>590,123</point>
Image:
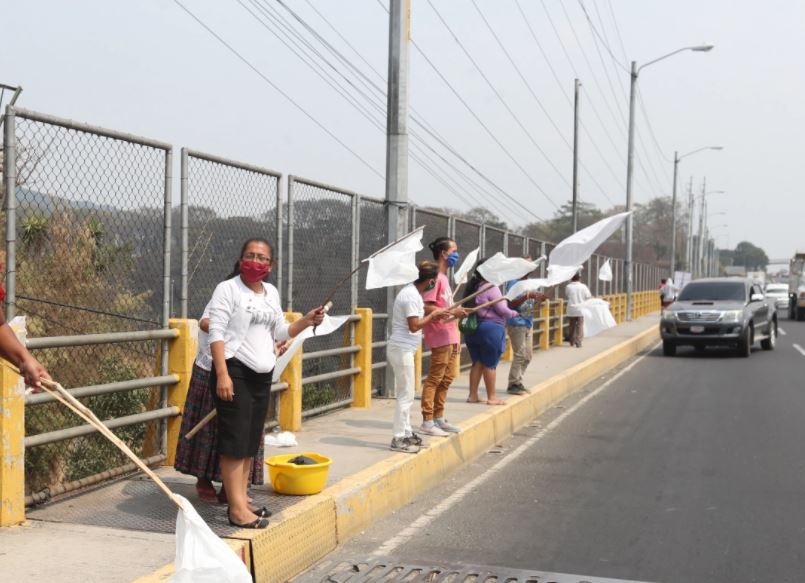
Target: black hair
<point>440,244</point>
<point>663,280</point>
<point>576,277</point>
<point>427,270</point>
<point>475,281</point>
<point>236,269</point>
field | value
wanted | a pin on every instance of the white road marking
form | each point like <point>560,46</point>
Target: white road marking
<point>781,332</point>
<point>418,525</point>
<point>799,349</point>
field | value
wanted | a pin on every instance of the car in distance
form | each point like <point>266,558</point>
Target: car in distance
<point>731,311</point>
<point>778,293</point>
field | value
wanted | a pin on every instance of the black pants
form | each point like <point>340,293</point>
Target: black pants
<point>241,420</point>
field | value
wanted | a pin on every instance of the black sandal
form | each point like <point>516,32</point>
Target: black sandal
<point>260,522</point>
<point>263,512</point>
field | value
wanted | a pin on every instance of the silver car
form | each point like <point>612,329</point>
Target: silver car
<point>778,292</point>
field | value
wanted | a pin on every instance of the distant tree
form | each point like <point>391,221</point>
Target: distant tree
<point>561,225</point>
<point>750,256</point>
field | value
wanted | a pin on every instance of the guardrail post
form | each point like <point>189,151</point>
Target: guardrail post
<point>12,447</point>
<point>182,352</point>
<point>545,332</point>
<point>508,353</point>
<point>559,332</point>
<point>362,393</point>
<point>290,413</point>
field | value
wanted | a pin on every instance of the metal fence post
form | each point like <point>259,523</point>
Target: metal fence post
<point>506,243</point>
<point>185,227</point>
<point>10,208</point>
<point>289,301</point>
<point>166,289</point>
<point>482,237</point>
<point>355,251</point>
<point>278,251</point>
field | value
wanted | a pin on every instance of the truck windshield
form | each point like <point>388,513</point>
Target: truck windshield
<point>713,290</point>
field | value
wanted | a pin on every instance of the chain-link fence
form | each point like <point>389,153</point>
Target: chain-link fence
<point>323,249</point>
<point>86,227</point>
<point>494,241</point>
<point>436,225</point>
<point>223,203</point>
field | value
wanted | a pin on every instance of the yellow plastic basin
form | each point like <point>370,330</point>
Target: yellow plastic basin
<point>297,480</point>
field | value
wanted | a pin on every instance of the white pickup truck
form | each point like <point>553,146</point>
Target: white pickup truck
<point>796,286</point>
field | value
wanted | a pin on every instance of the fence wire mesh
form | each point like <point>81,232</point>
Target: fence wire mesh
<point>373,235</point>
<point>89,259</point>
<point>324,233</point>
<point>494,239</point>
<point>227,204</point>
<point>436,225</point>
<point>516,246</point>
<point>467,236</point>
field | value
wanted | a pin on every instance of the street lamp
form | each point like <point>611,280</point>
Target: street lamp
<point>635,72</point>
<point>677,158</point>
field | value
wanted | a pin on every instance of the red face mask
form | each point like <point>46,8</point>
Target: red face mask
<point>253,271</point>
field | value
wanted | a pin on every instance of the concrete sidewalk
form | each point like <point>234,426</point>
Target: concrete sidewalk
<point>123,530</point>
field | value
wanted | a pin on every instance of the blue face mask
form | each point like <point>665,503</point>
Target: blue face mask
<point>452,259</point>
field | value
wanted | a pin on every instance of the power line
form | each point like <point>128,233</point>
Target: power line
<point>534,95</point>
<point>500,98</point>
<point>603,41</point>
<point>265,78</point>
<point>422,123</point>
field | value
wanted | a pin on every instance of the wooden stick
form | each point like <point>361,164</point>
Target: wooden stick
<point>68,400</point>
<point>471,296</point>
<point>200,425</point>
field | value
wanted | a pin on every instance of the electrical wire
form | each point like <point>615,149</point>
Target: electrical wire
<point>265,78</point>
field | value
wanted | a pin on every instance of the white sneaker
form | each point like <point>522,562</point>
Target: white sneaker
<point>445,425</point>
<point>432,429</point>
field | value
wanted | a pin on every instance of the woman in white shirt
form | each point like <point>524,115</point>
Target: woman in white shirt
<point>407,320</point>
<point>245,320</point>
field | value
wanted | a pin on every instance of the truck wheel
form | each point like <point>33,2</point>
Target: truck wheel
<point>668,348</point>
<point>770,342</point>
<point>745,343</point>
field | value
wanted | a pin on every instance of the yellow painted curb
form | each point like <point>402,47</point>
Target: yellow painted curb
<point>312,528</point>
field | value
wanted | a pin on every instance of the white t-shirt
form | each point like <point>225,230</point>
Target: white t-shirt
<point>407,303</point>
<point>576,293</point>
<point>248,323</point>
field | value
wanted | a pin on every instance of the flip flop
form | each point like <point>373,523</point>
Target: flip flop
<point>496,402</point>
<point>474,401</point>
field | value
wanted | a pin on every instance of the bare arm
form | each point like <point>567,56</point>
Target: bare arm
<point>12,350</point>
<point>204,324</point>
<point>415,323</point>
<point>223,383</point>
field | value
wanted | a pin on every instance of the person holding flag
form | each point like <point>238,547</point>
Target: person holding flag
<point>520,329</point>
<point>442,339</point>
<point>407,321</point>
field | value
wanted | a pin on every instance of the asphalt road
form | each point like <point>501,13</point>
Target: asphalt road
<point>686,469</point>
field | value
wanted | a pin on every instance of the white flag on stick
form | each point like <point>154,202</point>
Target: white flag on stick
<point>605,271</point>
<point>395,264</point>
<point>329,325</point>
<point>499,269</point>
<point>578,248</point>
<point>524,286</point>
<point>460,276</point>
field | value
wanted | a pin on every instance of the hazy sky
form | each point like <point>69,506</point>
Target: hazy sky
<point>148,68</point>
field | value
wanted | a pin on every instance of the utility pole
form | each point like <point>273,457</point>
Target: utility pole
<point>702,215</point>
<point>672,268</point>
<point>689,245</point>
<point>627,262</point>
<point>397,139</point>
<point>576,156</point>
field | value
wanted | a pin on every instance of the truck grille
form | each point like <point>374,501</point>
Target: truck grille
<point>698,316</point>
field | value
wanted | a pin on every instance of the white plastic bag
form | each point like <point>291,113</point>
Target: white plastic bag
<point>202,557</point>
<point>283,439</point>
<point>597,316</point>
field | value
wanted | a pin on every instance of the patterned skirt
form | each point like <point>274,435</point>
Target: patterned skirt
<point>198,456</point>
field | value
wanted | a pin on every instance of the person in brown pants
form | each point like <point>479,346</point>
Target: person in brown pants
<point>442,338</point>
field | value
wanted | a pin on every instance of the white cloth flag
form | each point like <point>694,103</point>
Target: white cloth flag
<point>329,325</point>
<point>395,264</point>
<point>524,286</point>
<point>578,248</point>
<point>499,269</point>
<point>605,271</point>
<point>202,557</point>
<point>597,316</point>
<point>460,275</point>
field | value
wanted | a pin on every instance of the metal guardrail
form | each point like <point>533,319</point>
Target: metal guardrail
<point>105,338</point>
<point>105,389</point>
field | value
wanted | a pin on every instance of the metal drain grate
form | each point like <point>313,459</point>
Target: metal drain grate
<point>390,571</point>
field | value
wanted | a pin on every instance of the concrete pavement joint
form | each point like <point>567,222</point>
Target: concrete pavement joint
<point>423,521</point>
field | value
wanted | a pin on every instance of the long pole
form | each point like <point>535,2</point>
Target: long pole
<point>396,139</point>
<point>702,214</point>
<point>629,169</point>
<point>576,156</point>
<point>673,216</point>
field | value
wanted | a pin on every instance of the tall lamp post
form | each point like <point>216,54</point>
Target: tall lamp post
<point>635,72</point>
<point>677,158</point>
